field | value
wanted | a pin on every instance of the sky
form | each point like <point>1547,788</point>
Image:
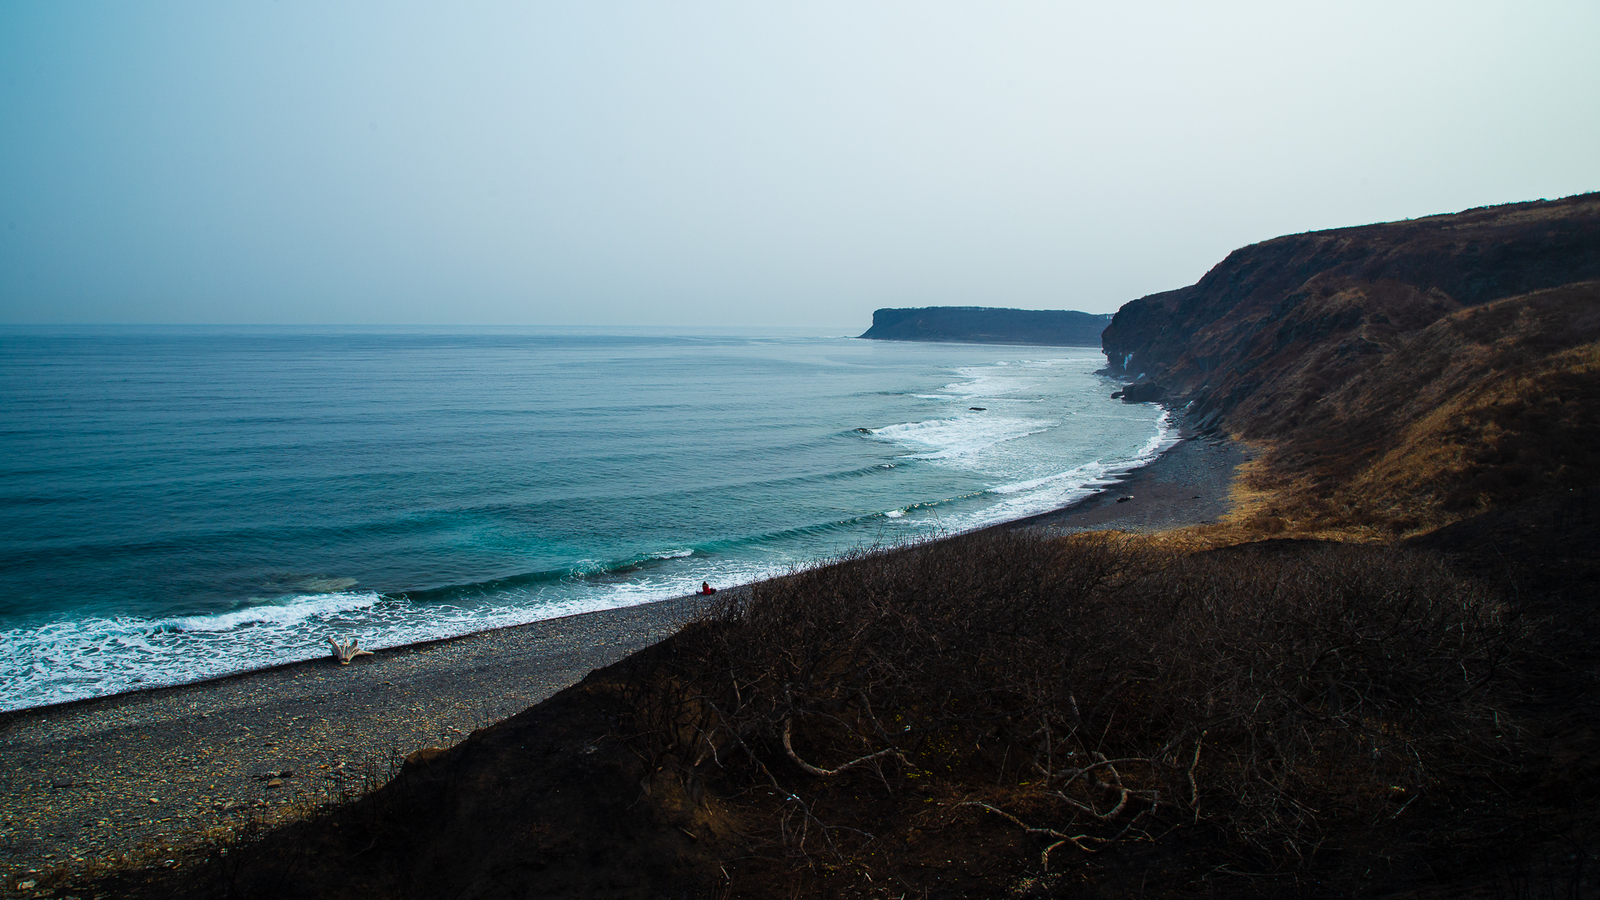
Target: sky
<point>741,163</point>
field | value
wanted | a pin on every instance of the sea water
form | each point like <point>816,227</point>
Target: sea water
<point>178,504</point>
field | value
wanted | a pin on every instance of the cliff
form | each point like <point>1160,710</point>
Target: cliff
<point>1241,340</point>
<point>986,325</point>
<point>1405,374</point>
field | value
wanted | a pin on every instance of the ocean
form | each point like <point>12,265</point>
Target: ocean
<point>182,503</point>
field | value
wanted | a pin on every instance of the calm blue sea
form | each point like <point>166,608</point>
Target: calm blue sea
<point>177,504</point>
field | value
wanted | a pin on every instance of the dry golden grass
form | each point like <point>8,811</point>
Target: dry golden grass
<point>1511,430</point>
<point>1484,408</point>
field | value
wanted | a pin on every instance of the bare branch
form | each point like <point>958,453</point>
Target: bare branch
<point>788,747</point>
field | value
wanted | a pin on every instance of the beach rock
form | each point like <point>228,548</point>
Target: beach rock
<point>1143,392</point>
<point>275,782</point>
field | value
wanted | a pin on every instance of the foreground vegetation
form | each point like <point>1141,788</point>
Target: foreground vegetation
<point>1296,713</point>
<point>1002,714</point>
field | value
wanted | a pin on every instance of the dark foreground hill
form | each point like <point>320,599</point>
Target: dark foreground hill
<point>1247,712</point>
<point>985,325</point>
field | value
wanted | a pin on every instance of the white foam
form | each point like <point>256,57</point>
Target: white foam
<point>290,611</point>
<point>1164,438</point>
<point>673,554</point>
<point>1033,496</point>
<point>984,384</point>
<point>63,661</point>
<point>1092,472</point>
<point>959,436</point>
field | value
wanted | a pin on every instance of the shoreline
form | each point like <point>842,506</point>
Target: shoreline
<point>1096,511</point>
<point>101,777</point>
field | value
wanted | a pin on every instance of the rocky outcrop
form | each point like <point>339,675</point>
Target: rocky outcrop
<point>986,325</point>
<point>1261,339</point>
<point>1141,392</point>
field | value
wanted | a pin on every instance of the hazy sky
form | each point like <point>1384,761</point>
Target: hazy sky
<point>740,163</point>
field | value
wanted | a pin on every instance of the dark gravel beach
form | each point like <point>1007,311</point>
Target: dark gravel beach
<point>1188,485</point>
<point>145,772</point>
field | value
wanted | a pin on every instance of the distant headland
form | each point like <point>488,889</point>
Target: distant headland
<point>987,325</point>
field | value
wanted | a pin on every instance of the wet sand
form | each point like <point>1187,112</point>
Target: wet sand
<point>139,773</point>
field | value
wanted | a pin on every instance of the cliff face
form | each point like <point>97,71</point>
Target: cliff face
<point>1269,331</point>
<point>985,325</point>
<point>1406,374</point>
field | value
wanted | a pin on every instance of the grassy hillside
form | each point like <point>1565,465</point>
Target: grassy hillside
<point>1484,408</point>
<point>1400,376</point>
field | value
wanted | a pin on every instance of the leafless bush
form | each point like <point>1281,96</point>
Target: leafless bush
<point>1091,690</point>
<point>1344,682</point>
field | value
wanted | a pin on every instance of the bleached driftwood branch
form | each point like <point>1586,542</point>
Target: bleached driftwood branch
<point>346,652</point>
<point>788,747</point>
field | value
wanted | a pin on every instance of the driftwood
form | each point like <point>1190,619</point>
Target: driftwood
<point>346,652</point>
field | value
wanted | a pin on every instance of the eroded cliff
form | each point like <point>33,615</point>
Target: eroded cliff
<point>1406,374</point>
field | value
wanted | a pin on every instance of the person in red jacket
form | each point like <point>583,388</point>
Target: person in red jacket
<point>706,589</point>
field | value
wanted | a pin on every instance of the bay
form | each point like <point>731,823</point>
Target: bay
<point>182,503</point>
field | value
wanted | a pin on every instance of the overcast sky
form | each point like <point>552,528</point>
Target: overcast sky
<point>740,163</point>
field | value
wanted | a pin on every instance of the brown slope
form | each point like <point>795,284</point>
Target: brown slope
<point>1484,408</point>
<point>1480,410</point>
<point>1276,326</point>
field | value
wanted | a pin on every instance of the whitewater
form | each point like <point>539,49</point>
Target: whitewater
<point>184,503</point>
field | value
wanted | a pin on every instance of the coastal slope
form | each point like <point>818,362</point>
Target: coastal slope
<point>987,325</point>
<point>1403,374</point>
